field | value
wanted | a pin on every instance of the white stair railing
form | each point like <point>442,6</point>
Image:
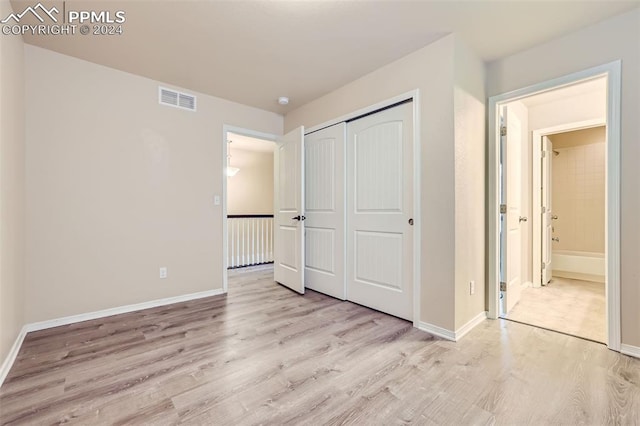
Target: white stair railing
<point>249,240</point>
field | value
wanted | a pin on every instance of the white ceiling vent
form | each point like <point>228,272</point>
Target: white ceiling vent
<point>176,99</point>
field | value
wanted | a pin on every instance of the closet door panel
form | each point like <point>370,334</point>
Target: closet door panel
<point>379,211</point>
<point>324,210</point>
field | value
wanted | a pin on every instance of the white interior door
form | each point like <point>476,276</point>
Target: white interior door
<point>379,211</point>
<point>511,249</point>
<point>288,210</point>
<point>547,210</point>
<point>324,208</point>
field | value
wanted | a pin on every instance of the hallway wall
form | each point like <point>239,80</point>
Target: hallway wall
<point>250,191</point>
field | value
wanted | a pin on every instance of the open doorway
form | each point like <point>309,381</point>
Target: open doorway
<point>248,202</point>
<point>567,293</point>
<point>556,192</point>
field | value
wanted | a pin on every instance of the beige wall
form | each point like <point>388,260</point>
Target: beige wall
<point>613,39</point>
<point>118,185</point>
<point>250,191</point>
<point>579,190</point>
<point>469,119</point>
<point>12,185</point>
<point>450,84</point>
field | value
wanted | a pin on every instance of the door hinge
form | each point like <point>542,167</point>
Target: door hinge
<point>503,286</point>
<point>544,154</point>
<point>544,265</point>
<point>503,131</point>
<point>503,208</point>
<point>544,209</point>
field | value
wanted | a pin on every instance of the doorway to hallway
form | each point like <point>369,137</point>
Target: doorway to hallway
<point>248,199</point>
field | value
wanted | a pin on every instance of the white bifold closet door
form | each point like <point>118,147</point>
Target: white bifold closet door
<point>324,210</point>
<point>379,211</point>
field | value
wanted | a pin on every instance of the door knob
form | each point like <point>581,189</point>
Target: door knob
<point>411,221</point>
<point>522,219</point>
<point>298,218</point>
<point>554,217</point>
<point>556,239</point>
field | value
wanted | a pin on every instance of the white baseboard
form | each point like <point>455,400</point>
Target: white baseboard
<point>120,310</point>
<point>454,336</point>
<point>460,333</point>
<point>11,356</point>
<point>42,325</point>
<point>630,350</point>
<point>437,331</point>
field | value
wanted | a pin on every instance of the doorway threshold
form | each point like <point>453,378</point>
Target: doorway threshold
<point>555,331</point>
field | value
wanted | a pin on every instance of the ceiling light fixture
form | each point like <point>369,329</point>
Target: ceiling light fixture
<point>283,100</point>
<point>231,171</point>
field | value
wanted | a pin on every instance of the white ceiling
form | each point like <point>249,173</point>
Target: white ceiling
<point>247,143</point>
<point>254,51</point>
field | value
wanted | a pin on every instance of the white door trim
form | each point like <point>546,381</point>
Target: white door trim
<point>536,222</point>
<point>226,128</point>
<point>417,174</point>
<point>613,72</point>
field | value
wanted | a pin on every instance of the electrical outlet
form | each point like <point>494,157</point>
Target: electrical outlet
<point>472,287</point>
<point>163,272</point>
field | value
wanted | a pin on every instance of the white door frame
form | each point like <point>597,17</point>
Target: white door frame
<point>536,222</point>
<point>415,96</point>
<point>612,71</point>
<point>226,128</point>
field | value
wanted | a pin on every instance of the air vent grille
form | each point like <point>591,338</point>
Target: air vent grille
<point>176,99</point>
<point>187,101</point>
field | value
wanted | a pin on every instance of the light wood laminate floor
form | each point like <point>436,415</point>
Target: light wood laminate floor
<point>570,306</point>
<point>265,355</point>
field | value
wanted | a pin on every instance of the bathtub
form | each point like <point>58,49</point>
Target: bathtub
<point>578,265</point>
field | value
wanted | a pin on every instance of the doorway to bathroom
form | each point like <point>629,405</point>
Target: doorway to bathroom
<point>554,196</point>
<point>567,291</point>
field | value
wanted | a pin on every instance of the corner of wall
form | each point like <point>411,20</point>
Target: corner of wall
<point>12,194</point>
<point>470,146</point>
